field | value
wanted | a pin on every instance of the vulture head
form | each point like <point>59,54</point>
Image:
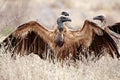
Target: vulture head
<point>65,13</point>
<point>101,18</point>
<point>59,38</point>
<point>60,22</point>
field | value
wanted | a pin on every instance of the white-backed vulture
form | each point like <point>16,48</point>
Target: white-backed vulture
<point>112,30</point>
<point>63,43</point>
<point>32,37</point>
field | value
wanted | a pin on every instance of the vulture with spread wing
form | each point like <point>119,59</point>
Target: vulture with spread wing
<point>61,43</point>
<point>32,37</point>
<point>112,30</point>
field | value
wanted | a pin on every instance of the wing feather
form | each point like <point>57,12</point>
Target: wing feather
<point>103,41</point>
<point>28,38</point>
<point>95,40</point>
<point>114,32</point>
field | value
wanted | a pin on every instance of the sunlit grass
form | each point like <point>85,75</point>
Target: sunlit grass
<point>31,67</point>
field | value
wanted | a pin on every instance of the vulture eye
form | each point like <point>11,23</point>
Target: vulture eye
<point>65,13</point>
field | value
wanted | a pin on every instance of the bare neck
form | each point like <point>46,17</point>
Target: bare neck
<point>103,23</point>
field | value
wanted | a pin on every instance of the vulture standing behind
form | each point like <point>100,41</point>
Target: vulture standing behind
<point>63,43</point>
<point>113,30</point>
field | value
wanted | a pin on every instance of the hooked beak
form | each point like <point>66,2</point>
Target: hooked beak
<point>60,22</point>
<point>65,19</point>
<point>96,18</point>
<point>68,19</point>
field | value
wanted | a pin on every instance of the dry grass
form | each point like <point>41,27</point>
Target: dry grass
<point>31,67</point>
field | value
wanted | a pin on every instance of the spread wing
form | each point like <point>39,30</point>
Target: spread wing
<point>93,39</point>
<point>29,38</point>
<point>114,32</point>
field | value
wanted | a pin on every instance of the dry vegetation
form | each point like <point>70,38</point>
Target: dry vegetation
<point>33,68</point>
<point>16,12</point>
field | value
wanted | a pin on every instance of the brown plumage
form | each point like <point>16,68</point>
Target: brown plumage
<point>98,40</point>
<point>61,43</point>
<point>32,37</point>
<point>112,30</point>
<point>28,38</point>
<point>115,27</point>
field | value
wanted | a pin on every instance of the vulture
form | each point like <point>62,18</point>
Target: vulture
<point>61,43</point>
<point>33,37</point>
<point>113,30</point>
